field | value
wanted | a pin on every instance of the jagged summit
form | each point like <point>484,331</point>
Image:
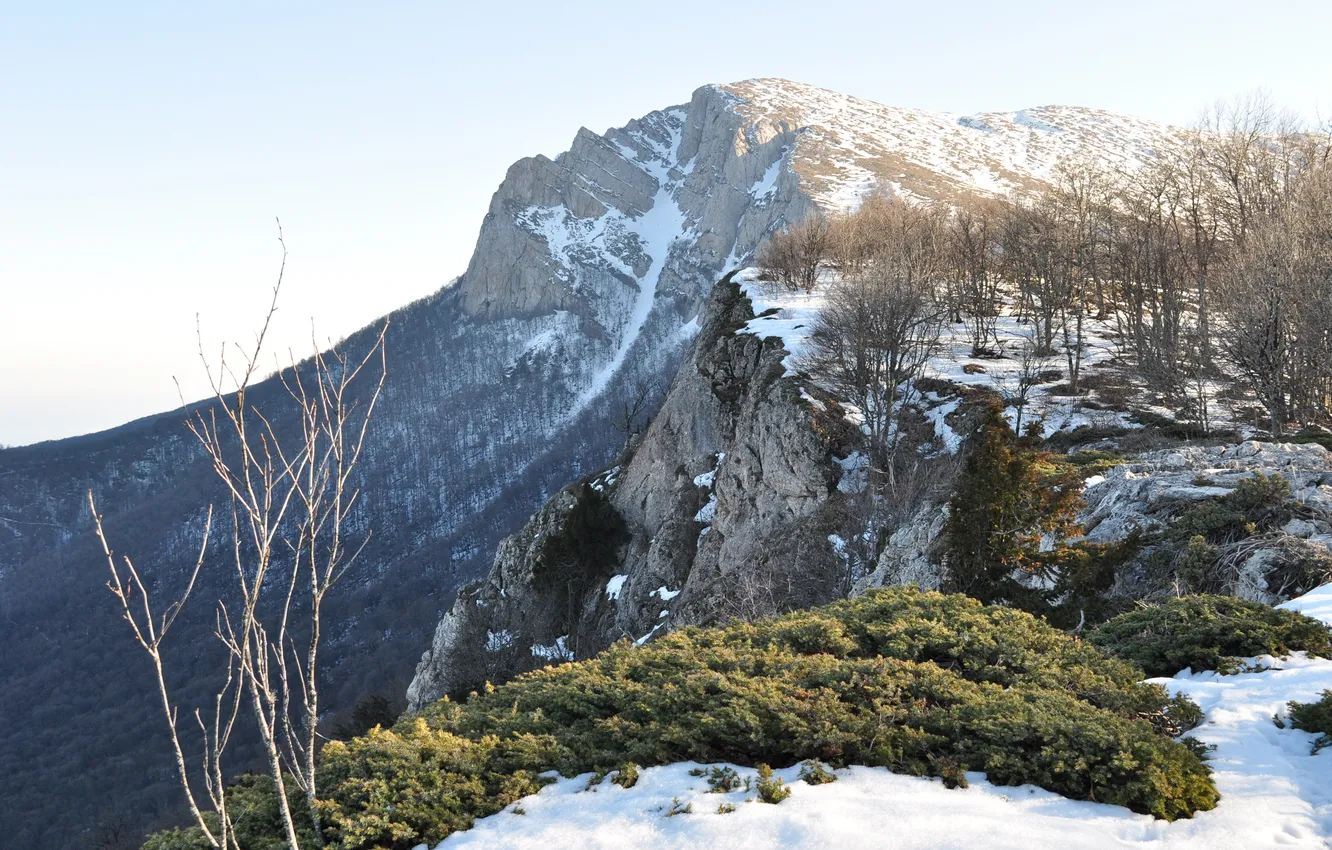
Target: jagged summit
<point>716,174</point>
<point>848,145</point>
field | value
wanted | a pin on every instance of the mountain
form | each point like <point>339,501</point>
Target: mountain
<point>589,279</point>
<point>846,146</point>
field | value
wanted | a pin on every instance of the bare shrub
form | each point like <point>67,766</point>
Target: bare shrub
<point>290,542</point>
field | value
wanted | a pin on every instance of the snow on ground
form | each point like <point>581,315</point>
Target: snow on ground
<point>708,512</point>
<point>848,146</point>
<point>1316,603</point>
<point>1275,794</point>
<point>938,414</point>
<point>664,593</point>
<point>767,186</point>
<point>554,652</point>
<point>790,317</point>
<point>1060,413</point>
<point>615,585</point>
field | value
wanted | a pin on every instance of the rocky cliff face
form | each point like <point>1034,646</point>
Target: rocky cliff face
<point>655,207</point>
<point>728,501</point>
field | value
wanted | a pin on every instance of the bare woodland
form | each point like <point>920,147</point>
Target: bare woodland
<point>1213,262</point>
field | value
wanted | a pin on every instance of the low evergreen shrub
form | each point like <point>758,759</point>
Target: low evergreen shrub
<point>1311,434</point>
<point>679,808</point>
<point>814,773</point>
<point>1256,505</point>
<point>1313,717</point>
<point>921,683</point>
<point>771,789</point>
<point>924,684</point>
<point>413,784</point>
<point>627,776</point>
<point>721,780</point>
<point>1207,633</point>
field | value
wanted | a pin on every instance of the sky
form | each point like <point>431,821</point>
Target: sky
<point>147,149</point>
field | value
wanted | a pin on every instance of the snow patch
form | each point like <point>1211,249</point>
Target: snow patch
<point>767,186</point>
<point>706,479</point>
<point>557,651</point>
<point>614,586</point>
<point>790,316</point>
<point>952,441</point>
<point>813,402</point>
<point>657,230</point>
<point>855,473</point>
<point>708,512</point>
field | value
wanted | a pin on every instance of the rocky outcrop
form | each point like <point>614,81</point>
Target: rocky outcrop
<point>728,502</point>
<point>1146,494</point>
<point>1131,495</point>
<point>909,556</point>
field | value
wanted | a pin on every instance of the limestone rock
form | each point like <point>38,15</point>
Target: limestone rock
<point>729,498</point>
<point>1130,493</point>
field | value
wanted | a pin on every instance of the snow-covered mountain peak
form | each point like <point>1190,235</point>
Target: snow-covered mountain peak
<point>848,145</point>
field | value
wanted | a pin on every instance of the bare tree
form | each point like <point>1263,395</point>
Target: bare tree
<point>796,255</point>
<point>973,249</point>
<point>1277,306</point>
<point>1151,283</point>
<point>853,238</point>
<point>1246,149</point>
<point>880,326</point>
<point>629,419</point>
<point>1033,365</point>
<point>1031,261</point>
<point>291,507</point>
<point>1197,221</point>
<point>1078,205</point>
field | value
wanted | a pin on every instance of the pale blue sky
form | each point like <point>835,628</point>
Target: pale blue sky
<point>146,148</point>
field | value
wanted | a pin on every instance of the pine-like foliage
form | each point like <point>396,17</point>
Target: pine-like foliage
<point>1003,508</point>
<point>923,684</point>
<point>1315,717</point>
<point>1208,633</point>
